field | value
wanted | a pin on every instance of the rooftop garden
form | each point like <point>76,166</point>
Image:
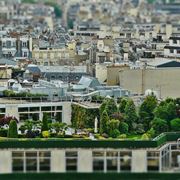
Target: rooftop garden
<point>113,121</point>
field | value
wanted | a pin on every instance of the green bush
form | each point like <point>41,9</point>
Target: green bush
<point>44,123</point>
<point>175,124</point>
<point>3,132</point>
<point>115,133</point>
<point>12,132</point>
<point>122,136</point>
<point>123,128</point>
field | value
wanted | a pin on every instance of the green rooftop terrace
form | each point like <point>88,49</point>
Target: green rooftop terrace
<point>83,143</point>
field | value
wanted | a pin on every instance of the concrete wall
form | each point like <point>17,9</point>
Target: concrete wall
<point>85,156</point>
<point>5,161</point>
<point>101,72</point>
<point>58,161</point>
<point>113,74</point>
<point>139,163</point>
<point>12,109</point>
<point>163,80</point>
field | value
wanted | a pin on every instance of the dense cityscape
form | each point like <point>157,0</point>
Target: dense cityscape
<point>89,89</point>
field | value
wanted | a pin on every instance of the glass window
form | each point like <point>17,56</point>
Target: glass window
<point>34,108</point>
<point>59,108</point>
<point>23,109</point>
<point>112,164</point>
<point>47,108</point>
<point>44,164</point>
<point>71,161</point>
<point>17,165</point>
<point>2,110</point>
<point>98,164</point>
<point>31,164</point>
<point>125,160</point>
<point>153,164</point>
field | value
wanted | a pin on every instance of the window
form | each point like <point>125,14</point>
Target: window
<point>2,110</point>
<point>34,108</point>
<point>71,160</point>
<point>98,161</point>
<point>112,161</point>
<point>125,160</point>
<point>153,161</point>
<point>31,161</point>
<point>25,54</point>
<point>174,41</point>
<point>23,109</point>
<point>59,108</point>
<point>171,51</point>
<point>47,108</point>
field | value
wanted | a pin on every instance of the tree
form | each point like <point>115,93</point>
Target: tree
<point>146,110</point>
<point>159,125</point>
<point>130,114</point>
<point>122,105</point>
<point>12,132</point>
<point>175,124</point>
<point>123,128</point>
<point>166,110</point>
<point>44,123</point>
<point>103,122</point>
<point>111,107</point>
<point>113,126</point>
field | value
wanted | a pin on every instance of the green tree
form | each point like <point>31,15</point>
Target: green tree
<point>166,110</point>
<point>44,123</point>
<point>103,122</point>
<point>130,114</point>
<point>112,127</point>
<point>122,105</point>
<point>12,132</point>
<point>175,124</point>
<point>146,111</point>
<point>159,125</point>
<point>123,128</point>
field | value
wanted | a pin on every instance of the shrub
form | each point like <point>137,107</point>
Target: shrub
<point>115,133</point>
<point>122,136</point>
<point>44,123</point>
<point>30,134</point>
<point>45,134</point>
<point>12,132</point>
<point>145,136</point>
<point>3,132</point>
<point>175,124</point>
<point>123,127</point>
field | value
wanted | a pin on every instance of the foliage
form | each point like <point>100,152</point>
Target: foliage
<point>82,117</point>
<point>110,106</point>
<point>122,136</point>
<point>45,134</point>
<point>58,127</point>
<point>10,93</point>
<point>175,124</point>
<point>130,114</point>
<point>123,127</point>
<point>57,9</point>
<point>166,110</point>
<point>151,133</point>
<point>145,136</point>
<point>159,125</point>
<point>146,110</point>
<point>122,105</point>
<point>112,127</point>
<point>12,132</point>
<point>44,123</point>
<point>118,116</point>
<point>115,133</point>
<point>3,132</point>
<point>103,122</point>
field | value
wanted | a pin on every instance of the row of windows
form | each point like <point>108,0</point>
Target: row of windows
<point>45,108</point>
<point>32,161</point>
<point>102,161</point>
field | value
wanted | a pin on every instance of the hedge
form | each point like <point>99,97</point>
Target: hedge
<point>83,143</point>
<point>90,176</point>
